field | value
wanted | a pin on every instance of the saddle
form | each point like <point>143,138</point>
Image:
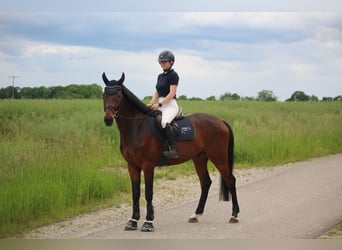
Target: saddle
<point>181,126</point>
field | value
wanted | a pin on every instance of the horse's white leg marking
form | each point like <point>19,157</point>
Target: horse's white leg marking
<point>194,218</point>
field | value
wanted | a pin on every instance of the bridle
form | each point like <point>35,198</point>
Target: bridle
<point>110,91</point>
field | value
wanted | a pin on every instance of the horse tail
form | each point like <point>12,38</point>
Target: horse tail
<point>224,189</point>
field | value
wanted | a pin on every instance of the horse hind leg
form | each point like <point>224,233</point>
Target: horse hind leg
<point>234,218</point>
<point>230,182</point>
<point>202,171</point>
<point>228,185</point>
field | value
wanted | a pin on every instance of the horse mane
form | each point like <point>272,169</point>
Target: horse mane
<point>135,101</point>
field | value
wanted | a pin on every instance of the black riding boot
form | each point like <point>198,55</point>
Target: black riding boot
<point>170,137</point>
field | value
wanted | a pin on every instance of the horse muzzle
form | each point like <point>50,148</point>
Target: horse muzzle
<point>109,115</point>
<point>108,121</point>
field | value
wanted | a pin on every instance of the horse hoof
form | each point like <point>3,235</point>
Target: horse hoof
<point>193,220</point>
<point>147,227</point>
<point>234,219</point>
<point>131,225</point>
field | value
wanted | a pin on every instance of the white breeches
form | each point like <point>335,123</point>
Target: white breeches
<point>169,111</point>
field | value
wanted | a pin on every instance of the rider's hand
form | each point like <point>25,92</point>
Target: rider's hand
<point>154,106</point>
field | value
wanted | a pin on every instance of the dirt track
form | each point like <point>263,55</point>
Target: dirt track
<point>299,200</point>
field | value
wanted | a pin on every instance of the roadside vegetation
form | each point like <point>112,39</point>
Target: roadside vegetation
<point>58,159</point>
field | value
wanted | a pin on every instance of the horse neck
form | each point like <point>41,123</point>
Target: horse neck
<point>130,118</point>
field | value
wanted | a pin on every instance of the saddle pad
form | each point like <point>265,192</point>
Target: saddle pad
<point>186,131</point>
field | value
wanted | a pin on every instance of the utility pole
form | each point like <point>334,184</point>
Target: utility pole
<point>13,77</point>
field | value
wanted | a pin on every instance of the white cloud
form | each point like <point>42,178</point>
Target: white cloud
<point>283,52</point>
<point>280,20</point>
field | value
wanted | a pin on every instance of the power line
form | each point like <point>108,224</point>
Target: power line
<point>13,77</point>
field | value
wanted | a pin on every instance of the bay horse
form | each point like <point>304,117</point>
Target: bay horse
<point>213,141</point>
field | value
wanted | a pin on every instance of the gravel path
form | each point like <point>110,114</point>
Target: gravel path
<point>167,194</point>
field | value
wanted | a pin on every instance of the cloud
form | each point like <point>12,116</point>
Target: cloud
<point>216,52</point>
<point>141,30</point>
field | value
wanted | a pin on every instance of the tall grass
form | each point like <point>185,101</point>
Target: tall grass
<point>57,158</point>
<point>276,133</point>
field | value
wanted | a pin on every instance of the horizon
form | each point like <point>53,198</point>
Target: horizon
<point>180,97</point>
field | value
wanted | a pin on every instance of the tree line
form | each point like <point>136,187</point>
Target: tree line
<point>73,91</point>
<point>94,91</point>
<point>266,95</point>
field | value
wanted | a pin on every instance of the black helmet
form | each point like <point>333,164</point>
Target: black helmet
<point>166,55</point>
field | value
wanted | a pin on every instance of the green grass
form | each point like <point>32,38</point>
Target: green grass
<point>57,158</point>
<point>276,133</point>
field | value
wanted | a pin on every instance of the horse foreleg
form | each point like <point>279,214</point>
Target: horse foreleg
<point>148,224</point>
<point>135,173</point>
<point>202,172</point>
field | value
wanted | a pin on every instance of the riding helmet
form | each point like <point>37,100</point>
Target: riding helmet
<point>166,55</point>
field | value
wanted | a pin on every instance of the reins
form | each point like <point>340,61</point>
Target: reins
<point>111,90</point>
<point>117,115</point>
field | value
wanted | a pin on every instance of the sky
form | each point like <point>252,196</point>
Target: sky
<point>243,51</point>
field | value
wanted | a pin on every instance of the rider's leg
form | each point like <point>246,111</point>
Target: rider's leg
<point>169,112</point>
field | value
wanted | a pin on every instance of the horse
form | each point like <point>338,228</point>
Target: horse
<point>213,140</point>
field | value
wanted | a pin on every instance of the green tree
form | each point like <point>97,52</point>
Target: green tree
<point>211,98</point>
<point>182,97</point>
<point>95,91</point>
<point>226,97</point>
<point>267,96</point>
<point>327,99</point>
<point>248,98</point>
<point>235,97</point>
<point>314,98</point>
<point>195,99</point>
<point>6,93</point>
<point>338,98</point>
<point>299,96</point>
<point>27,93</point>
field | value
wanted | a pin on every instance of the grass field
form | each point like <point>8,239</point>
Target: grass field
<point>57,158</point>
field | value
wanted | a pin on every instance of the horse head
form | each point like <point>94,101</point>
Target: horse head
<point>112,96</point>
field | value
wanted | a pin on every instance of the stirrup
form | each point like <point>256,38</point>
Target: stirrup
<point>171,154</point>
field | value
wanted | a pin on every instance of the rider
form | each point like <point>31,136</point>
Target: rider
<point>164,98</point>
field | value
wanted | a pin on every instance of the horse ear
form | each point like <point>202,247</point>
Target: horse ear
<point>104,78</point>
<point>122,79</point>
